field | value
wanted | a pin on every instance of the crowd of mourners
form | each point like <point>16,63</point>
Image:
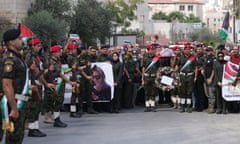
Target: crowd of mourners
<point>187,77</point>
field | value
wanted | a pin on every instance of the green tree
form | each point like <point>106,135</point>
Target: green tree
<point>176,16</point>
<point>92,20</point>
<point>58,8</point>
<point>192,19</point>
<point>123,11</point>
<point>205,35</point>
<point>47,27</point>
<point>159,16</point>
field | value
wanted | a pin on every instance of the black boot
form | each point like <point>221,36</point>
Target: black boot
<point>36,133</point>
<point>92,111</point>
<point>182,109</point>
<point>59,123</point>
<point>75,115</point>
<point>154,109</point>
<point>189,109</point>
<point>147,109</point>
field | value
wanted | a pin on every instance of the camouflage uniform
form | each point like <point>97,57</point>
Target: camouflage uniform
<point>149,83</point>
<point>34,105</point>
<point>53,101</point>
<point>85,84</point>
<point>170,72</point>
<point>72,60</point>
<point>187,81</point>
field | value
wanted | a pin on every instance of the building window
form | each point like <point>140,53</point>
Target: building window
<point>182,8</point>
<point>190,8</point>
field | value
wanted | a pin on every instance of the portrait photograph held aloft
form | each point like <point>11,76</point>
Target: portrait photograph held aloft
<point>102,82</point>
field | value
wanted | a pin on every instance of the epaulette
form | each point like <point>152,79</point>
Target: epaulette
<point>11,55</point>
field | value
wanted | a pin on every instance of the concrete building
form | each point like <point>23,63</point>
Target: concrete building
<point>187,7</point>
<point>14,10</point>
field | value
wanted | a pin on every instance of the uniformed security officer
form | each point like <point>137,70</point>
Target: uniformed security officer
<point>54,99</point>
<point>103,56</point>
<point>130,70</point>
<point>34,105</point>
<point>175,95</point>
<point>72,63</point>
<point>85,80</point>
<point>13,82</point>
<point>188,74</point>
<point>148,79</point>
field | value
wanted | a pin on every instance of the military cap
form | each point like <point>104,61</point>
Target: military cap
<point>11,34</point>
<point>209,49</point>
<point>105,46</point>
<point>175,48</point>
<point>186,47</point>
<point>35,41</point>
<point>150,46</point>
<point>71,46</point>
<point>55,48</point>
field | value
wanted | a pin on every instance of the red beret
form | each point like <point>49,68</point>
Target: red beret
<point>55,48</point>
<point>175,48</point>
<point>186,47</point>
<point>35,41</point>
<point>71,46</point>
<point>150,46</point>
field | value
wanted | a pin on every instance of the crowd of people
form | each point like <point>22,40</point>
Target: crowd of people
<point>187,78</point>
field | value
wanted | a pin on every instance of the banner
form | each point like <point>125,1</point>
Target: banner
<point>231,85</point>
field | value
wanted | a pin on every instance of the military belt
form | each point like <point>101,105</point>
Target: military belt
<point>186,74</point>
<point>149,75</point>
<point>21,97</point>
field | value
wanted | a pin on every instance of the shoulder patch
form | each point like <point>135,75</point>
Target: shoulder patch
<point>8,68</point>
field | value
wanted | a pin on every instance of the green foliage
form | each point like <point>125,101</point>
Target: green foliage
<point>139,33</point>
<point>91,21</point>
<point>123,11</point>
<point>58,8</point>
<point>47,27</point>
<point>159,16</point>
<point>176,16</point>
<point>205,35</point>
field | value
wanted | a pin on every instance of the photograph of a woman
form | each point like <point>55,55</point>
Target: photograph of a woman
<point>101,90</point>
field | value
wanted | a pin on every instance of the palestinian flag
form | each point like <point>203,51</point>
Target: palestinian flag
<point>230,71</point>
<point>26,33</point>
<point>188,62</point>
<point>223,34</point>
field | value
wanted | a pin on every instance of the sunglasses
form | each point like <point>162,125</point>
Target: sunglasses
<point>96,77</point>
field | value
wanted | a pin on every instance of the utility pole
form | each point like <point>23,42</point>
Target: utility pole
<point>234,19</point>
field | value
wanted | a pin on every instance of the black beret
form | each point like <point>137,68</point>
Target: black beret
<point>105,46</point>
<point>11,34</point>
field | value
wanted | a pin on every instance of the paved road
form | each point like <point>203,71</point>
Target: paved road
<point>136,127</point>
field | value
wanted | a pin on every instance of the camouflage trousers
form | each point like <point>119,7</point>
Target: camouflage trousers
<point>19,124</point>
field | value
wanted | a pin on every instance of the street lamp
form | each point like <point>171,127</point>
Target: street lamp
<point>143,36</point>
